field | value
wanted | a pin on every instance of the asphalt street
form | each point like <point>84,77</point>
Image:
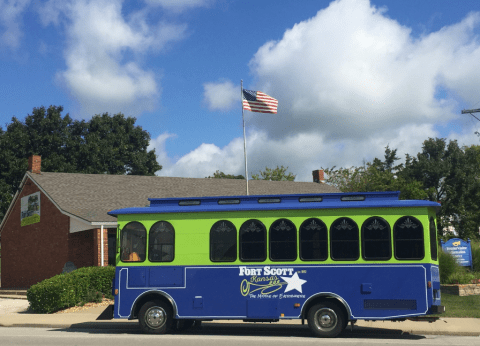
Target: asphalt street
<point>119,337</point>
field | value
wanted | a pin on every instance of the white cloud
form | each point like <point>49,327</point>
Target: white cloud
<point>302,153</point>
<point>351,81</point>
<point>99,39</point>
<point>350,72</point>
<point>206,159</point>
<point>220,95</point>
<point>10,22</point>
<point>159,145</point>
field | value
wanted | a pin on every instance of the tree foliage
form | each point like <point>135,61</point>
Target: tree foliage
<point>276,174</point>
<point>105,144</point>
<point>221,175</point>
<point>441,172</point>
<point>377,175</point>
<point>450,175</point>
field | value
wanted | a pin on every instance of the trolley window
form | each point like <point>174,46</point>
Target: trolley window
<point>133,242</point>
<point>253,244</point>
<point>408,238</point>
<point>223,242</point>
<point>313,240</point>
<point>283,241</point>
<point>433,240</point>
<point>161,242</point>
<point>344,240</point>
<point>376,243</point>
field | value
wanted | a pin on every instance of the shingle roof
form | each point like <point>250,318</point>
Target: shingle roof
<point>90,196</point>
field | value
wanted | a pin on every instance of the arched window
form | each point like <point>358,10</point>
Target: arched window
<point>253,242</point>
<point>161,242</point>
<point>344,240</point>
<point>376,243</point>
<point>283,241</point>
<point>133,239</point>
<point>433,240</point>
<point>408,238</point>
<point>223,242</point>
<point>313,240</point>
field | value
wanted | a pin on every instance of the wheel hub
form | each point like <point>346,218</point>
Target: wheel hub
<point>326,319</point>
<point>155,317</point>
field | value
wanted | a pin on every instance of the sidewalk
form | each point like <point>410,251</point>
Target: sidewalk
<point>13,313</point>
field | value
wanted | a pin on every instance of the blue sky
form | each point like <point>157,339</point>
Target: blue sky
<point>351,76</point>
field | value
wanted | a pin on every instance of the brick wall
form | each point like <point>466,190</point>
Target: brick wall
<point>35,252</point>
<point>81,249</point>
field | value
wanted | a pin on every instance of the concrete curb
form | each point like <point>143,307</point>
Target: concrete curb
<point>86,325</point>
<point>3,296</point>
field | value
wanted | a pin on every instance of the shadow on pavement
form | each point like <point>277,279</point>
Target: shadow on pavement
<point>242,329</point>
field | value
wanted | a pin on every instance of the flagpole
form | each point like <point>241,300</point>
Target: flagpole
<point>244,137</point>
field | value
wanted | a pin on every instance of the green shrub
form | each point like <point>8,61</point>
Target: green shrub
<point>463,276</point>
<point>66,290</point>
<point>93,296</point>
<point>447,266</point>
<point>476,256</point>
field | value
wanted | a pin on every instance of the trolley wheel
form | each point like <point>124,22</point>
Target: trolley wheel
<point>326,320</point>
<point>155,317</point>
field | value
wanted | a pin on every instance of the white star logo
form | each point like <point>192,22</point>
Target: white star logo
<point>294,283</point>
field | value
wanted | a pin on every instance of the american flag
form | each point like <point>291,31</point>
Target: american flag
<point>256,101</point>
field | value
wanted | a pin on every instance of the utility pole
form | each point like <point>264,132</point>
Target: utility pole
<point>471,111</point>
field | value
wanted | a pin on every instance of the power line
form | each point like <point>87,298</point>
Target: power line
<point>471,111</point>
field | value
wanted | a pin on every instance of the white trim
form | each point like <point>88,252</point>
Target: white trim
<point>104,223</point>
<point>101,244</point>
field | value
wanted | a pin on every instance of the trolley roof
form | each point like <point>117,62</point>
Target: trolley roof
<point>275,202</point>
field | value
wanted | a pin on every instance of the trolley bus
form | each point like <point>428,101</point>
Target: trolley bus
<point>329,259</point>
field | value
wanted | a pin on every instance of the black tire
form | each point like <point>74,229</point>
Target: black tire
<point>155,317</point>
<point>326,319</point>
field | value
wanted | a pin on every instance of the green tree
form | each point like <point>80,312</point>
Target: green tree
<point>441,172</point>
<point>377,175</point>
<point>276,174</point>
<point>221,175</point>
<point>350,179</point>
<point>105,144</point>
<point>449,174</point>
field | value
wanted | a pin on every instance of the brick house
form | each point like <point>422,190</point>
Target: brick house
<point>58,221</point>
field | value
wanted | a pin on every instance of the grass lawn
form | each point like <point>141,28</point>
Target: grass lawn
<point>456,306</point>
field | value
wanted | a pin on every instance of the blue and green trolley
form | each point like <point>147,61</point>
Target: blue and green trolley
<point>328,259</point>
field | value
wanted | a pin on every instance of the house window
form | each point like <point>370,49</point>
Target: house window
<point>133,242</point>
<point>161,242</point>
<point>223,242</point>
<point>283,241</point>
<point>313,240</point>
<point>253,241</point>
<point>112,248</point>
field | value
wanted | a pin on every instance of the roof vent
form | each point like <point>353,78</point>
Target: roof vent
<point>352,198</point>
<point>191,202</point>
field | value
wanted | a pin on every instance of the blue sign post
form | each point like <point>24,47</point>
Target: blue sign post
<point>460,249</point>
